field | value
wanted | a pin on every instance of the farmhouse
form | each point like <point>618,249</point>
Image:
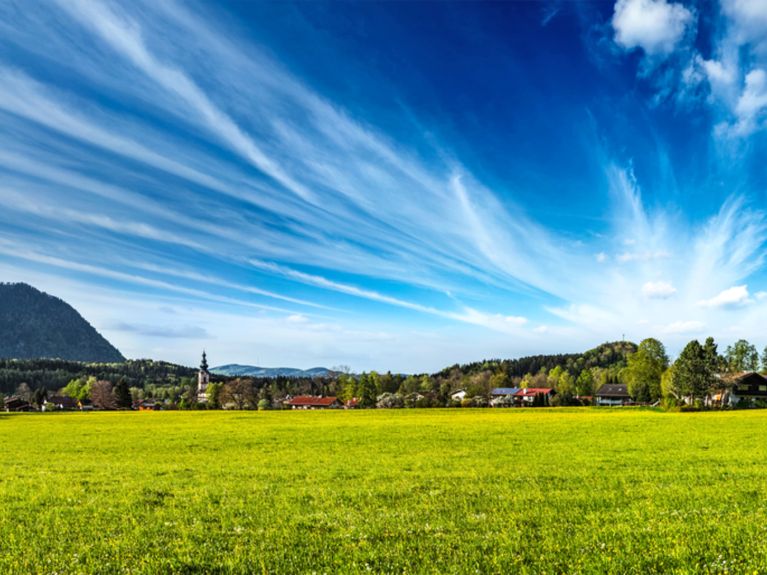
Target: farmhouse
<point>613,394</point>
<point>59,402</point>
<point>313,402</point>
<point>459,395</point>
<point>527,396</point>
<point>742,388</point>
<point>17,404</point>
<point>503,396</point>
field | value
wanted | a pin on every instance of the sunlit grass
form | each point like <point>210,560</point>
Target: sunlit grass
<point>438,491</point>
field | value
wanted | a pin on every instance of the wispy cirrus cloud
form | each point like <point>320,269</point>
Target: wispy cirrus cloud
<point>188,163</point>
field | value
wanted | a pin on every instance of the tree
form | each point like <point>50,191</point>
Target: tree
<point>39,396</point>
<point>565,388</point>
<point>713,359</point>
<point>122,395</point>
<point>366,391</point>
<point>644,370</point>
<point>764,360</point>
<point>584,385</point>
<point>239,393</point>
<point>102,396</point>
<point>741,356</point>
<point>668,384</point>
<point>24,392</point>
<point>389,401</point>
<point>693,377</point>
<point>213,392</point>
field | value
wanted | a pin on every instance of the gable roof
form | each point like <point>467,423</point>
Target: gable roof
<point>533,391</point>
<point>744,378</point>
<point>504,391</point>
<point>312,401</point>
<point>618,390</point>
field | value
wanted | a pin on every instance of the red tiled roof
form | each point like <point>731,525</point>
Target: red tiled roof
<point>311,401</point>
<point>533,391</point>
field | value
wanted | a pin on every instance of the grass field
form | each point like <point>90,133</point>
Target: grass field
<point>408,491</point>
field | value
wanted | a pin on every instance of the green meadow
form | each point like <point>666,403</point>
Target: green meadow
<point>384,491</point>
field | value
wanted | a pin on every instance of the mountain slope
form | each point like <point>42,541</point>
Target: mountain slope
<point>236,370</point>
<point>34,324</point>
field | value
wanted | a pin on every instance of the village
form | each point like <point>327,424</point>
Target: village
<point>739,390</point>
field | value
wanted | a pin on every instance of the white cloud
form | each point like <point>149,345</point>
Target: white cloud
<point>731,297</point>
<point>751,109</point>
<point>601,257</point>
<point>655,26</point>
<point>748,19</point>
<point>683,327</point>
<point>647,256</point>
<point>658,290</point>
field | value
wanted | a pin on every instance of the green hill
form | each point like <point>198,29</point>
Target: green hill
<point>34,325</point>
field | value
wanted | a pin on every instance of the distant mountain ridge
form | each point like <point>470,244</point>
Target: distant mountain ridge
<point>36,325</point>
<point>237,370</point>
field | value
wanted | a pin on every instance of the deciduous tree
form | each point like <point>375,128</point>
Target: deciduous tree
<point>644,370</point>
<point>742,356</point>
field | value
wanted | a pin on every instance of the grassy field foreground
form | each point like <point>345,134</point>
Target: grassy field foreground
<point>409,491</point>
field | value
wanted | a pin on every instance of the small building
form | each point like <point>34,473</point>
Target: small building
<point>147,405</point>
<point>352,403</point>
<point>533,396</point>
<point>611,394</point>
<point>59,403</point>
<point>503,396</point>
<point>313,402</point>
<point>459,395</point>
<point>17,404</point>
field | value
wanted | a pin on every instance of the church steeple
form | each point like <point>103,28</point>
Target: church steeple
<point>203,379</point>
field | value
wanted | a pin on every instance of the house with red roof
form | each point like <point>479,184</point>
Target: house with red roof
<point>313,402</point>
<point>527,396</point>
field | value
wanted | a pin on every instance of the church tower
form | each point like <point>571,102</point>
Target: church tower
<point>203,379</point>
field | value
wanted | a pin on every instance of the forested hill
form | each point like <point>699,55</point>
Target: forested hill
<point>34,324</point>
<point>612,354</point>
<point>54,374</point>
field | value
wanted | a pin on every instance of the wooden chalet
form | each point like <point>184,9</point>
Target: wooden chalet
<point>611,394</point>
<point>313,402</point>
<point>17,404</point>
<point>741,388</point>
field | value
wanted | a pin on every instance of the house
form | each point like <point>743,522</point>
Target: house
<point>147,405</point>
<point>459,395</point>
<point>313,402</point>
<point>352,403</point>
<point>533,396</point>
<point>613,394</point>
<point>59,402</point>
<point>17,404</point>
<point>742,388</point>
<point>503,396</point>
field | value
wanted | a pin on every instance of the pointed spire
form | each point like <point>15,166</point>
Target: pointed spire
<point>204,364</point>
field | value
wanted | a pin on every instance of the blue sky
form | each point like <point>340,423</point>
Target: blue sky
<point>387,185</point>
